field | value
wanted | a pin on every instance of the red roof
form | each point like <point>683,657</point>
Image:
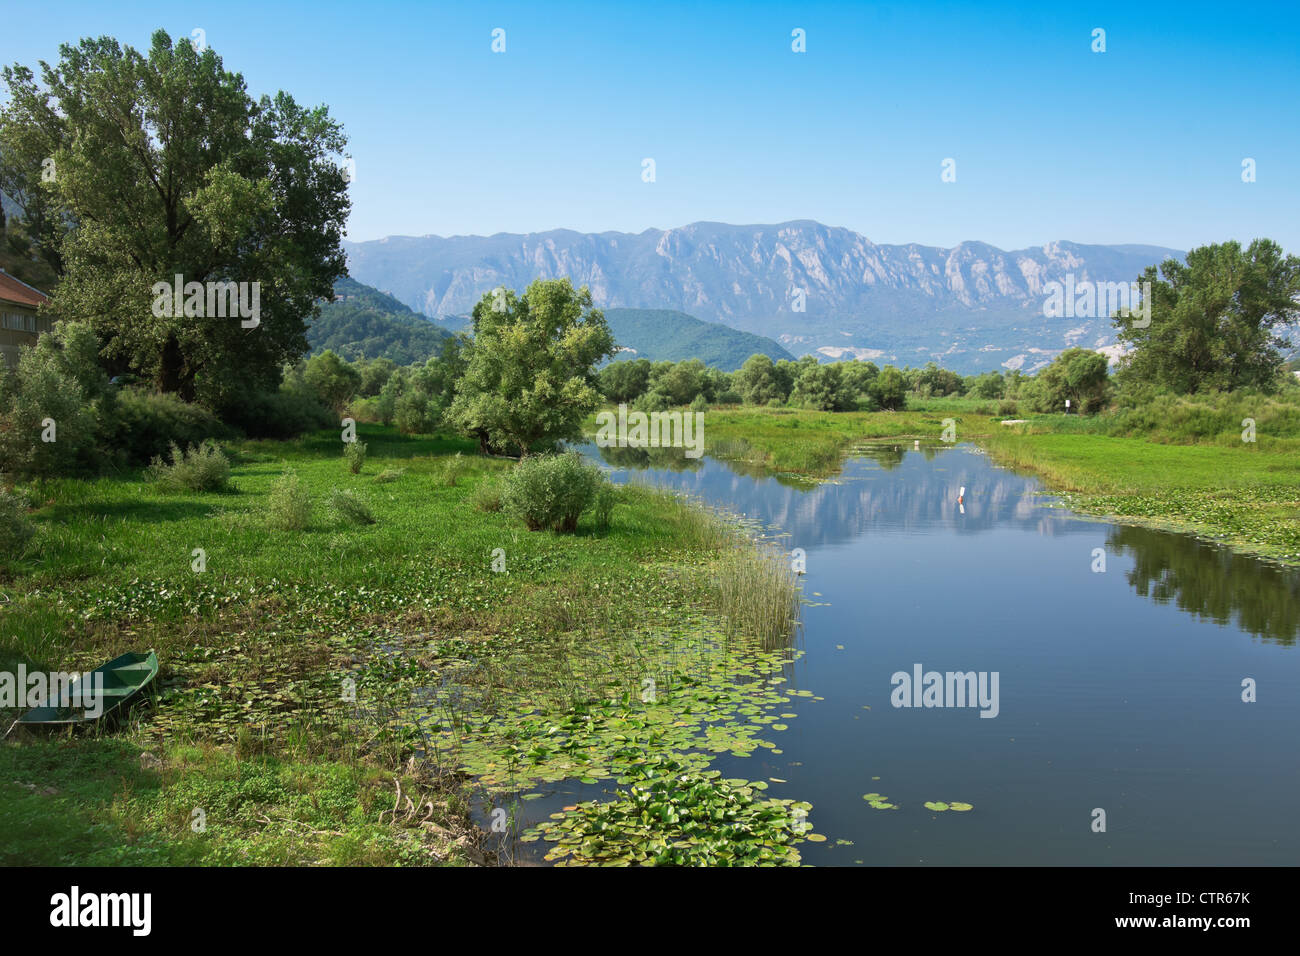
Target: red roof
<point>19,293</point>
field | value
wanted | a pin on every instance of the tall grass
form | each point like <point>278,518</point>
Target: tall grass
<point>757,593</point>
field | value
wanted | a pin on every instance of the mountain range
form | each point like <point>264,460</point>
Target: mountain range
<point>812,288</point>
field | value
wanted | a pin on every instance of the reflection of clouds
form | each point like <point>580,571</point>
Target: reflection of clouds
<point>889,489</point>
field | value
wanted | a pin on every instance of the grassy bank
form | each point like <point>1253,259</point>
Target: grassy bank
<point>1178,464</point>
<point>254,750</point>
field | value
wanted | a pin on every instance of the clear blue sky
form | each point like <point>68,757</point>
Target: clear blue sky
<point>1142,143</point>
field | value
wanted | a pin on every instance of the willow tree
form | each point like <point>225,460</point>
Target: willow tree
<point>132,169</point>
<point>530,378</point>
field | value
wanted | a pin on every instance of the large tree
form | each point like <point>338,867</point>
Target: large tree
<point>132,169</point>
<point>530,376</point>
<point>1216,321</point>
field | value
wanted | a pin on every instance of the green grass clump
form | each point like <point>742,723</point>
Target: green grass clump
<point>388,475</point>
<point>487,495</point>
<point>757,594</point>
<point>15,529</point>
<point>602,508</point>
<point>354,453</point>
<point>288,506</point>
<point>199,468</point>
<point>349,506</point>
<point>453,469</point>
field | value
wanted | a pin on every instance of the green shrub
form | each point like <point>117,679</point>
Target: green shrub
<point>54,407</point>
<point>146,424</point>
<point>452,469</point>
<point>350,507</point>
<point>198,468</point>
<point>288,505</point>
<point>699,404</point>
<point>15,529</point>
<point>551,491</point>
<point>387,475</point>
<point>286,413</point>
<point>355,453</point>
<point>653,401</point>
<point>487,495</point>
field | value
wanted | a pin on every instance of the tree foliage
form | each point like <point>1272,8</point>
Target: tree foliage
<point>1216,321</point>
<point>530,376</point>
<point>164,165</point>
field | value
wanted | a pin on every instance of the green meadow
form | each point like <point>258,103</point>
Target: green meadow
<point>251,751</point>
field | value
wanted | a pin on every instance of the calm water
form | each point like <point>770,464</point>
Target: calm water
<point>1120,690</point>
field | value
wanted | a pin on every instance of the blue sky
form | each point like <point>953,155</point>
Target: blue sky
<point>1142,143</point>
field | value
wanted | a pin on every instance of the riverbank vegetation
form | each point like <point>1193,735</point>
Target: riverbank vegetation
<point>262,638</point>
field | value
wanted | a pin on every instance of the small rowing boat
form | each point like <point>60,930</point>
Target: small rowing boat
<point>122,679</point>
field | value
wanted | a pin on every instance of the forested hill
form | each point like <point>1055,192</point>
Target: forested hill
<point>362,321</point>
<point>664,334</point>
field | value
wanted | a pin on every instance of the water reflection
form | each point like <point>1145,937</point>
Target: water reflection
<point>1211,582</point>
<point>891,488</point>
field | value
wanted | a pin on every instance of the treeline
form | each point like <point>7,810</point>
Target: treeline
<point>1079,376</point>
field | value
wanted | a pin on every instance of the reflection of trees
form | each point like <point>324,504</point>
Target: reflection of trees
<point>1212,582</point>
<point>673,459</point>
<point>749,469</point>
<point>887,457</point>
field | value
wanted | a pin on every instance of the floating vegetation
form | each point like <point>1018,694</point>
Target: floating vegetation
<point>680,817</point>
<point>940,807</point>
<point>879,801</point>
<point>605,707</point>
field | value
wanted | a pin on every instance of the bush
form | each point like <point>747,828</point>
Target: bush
<point>1007,408</point>
<point>283,414</point>
<point>198,468</point>
<point>289,504</point>
<point>387,475</point>
<point>699,404</point>
<point>487,495</point>
<point>355,453</point>
<point>551,491</point>
<point>15,529</point>
<point>653,401</point>
<point>452,469</point>
<point>146,424</point>
<point>351,507</point>
<point>416,413</point>
<point>58,392</point>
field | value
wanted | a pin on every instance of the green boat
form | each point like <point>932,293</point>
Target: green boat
<point>124,678</point>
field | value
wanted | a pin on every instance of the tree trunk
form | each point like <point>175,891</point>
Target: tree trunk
<point>171,366</point>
